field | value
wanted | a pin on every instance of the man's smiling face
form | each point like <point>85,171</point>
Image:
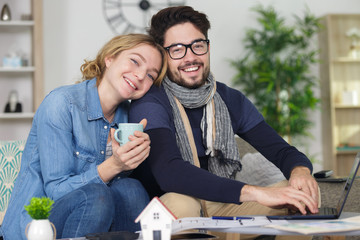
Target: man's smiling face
<point>192,70</point>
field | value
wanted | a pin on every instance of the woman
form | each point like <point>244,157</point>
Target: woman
<point>70,154</point>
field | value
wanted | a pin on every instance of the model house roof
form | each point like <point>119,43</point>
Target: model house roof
<point>153,203</point>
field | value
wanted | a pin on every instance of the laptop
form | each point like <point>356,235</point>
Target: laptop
<point>327,212</point>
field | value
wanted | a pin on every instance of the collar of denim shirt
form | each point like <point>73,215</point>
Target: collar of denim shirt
<point>94,110</point>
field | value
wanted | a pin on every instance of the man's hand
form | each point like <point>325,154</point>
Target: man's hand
<point>301,179</point>
<point>301,194</point>
<point>279,197</point>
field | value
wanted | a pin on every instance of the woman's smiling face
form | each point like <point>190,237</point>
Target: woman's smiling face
<point>132,72</point>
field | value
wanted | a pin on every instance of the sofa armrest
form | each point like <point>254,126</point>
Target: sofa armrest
<point>10,161</point>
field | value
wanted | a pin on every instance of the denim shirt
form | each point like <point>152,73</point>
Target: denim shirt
<point>66,143</point>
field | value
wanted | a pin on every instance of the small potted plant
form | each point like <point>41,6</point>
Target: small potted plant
<point>40,228</point>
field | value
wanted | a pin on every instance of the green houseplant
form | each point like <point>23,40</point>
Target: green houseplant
<point>39,208</point>
<point>40,228</point>
<point>275,71</point>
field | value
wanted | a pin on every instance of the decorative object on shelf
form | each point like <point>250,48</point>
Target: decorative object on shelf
<point>354,34</point>
<point>26,17</point>
<point>347,147</point>
<point>40,228</point>
<point>24,60</point>
<point>5,13</point>
<point>133,16</point>
<point>350,98</point>
<point>13,105</point>
<point>15,59</point>
<point>12,60</point>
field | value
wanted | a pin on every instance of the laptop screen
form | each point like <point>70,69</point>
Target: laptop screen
<point>348,183</point>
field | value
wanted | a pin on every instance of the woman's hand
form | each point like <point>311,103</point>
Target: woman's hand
<point>134,152</point>
<point>125,157</point>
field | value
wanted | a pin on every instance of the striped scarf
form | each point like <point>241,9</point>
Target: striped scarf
<point>217,132</point>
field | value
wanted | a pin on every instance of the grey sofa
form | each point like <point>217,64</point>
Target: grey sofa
<point>330,192</point>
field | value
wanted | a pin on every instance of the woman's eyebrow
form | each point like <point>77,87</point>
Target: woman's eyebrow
<point>139,55</point>
<point>144,59</point>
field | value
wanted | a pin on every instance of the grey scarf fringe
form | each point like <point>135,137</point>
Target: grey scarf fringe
<point>224,159</point>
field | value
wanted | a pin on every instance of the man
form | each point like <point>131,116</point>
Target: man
<point>192,120</point>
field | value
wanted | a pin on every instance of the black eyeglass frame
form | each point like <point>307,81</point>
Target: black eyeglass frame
<point>188,46</point>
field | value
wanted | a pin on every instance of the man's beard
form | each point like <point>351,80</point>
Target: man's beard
<point>182,82</point>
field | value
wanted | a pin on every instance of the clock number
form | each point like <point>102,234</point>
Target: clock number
<point>116,20</point>
<point>129,29</point>
<point>112,4</point>
<point>127,16</point>
<point>119,24</point>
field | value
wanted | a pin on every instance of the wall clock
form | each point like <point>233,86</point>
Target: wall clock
<point>130,16</point>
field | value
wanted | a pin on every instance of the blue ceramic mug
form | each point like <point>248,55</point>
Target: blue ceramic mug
<point>125,130</point>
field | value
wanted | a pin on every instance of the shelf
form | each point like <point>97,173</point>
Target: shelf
<point>16,69</point>
<point>339,72</point>
<point>345,152</point>
<point>24,33</point>
<point>346,60</point>
<point>340,106</point>
<point>16,23</point>
<point>25,115</point>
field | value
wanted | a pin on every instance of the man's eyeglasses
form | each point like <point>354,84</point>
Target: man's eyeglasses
<point>198,47</point>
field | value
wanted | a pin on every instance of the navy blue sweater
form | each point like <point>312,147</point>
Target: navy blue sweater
<point>165,170</point>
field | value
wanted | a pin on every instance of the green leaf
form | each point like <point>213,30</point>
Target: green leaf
<point>39,208</point>
<point>278,57</point>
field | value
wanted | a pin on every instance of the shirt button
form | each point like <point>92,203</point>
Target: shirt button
<point>102,152</point>
<point>105,127</point>
<point>77,153</point>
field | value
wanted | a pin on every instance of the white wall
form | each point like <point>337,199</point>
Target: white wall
<point>75,30</point>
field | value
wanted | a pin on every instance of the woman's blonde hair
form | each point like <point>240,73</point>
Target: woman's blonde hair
<point>97,67</point>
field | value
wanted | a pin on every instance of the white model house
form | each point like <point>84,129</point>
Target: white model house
<point>155,221</point>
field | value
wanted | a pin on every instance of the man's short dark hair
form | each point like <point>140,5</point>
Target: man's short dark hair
<point>168,17</point>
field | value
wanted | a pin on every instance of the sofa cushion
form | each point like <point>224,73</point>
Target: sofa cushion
<point>10,159</point>
<point>257,170</point>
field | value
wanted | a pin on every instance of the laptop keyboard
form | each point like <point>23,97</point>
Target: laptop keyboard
<point>322,211</point>
<point>327,211</point>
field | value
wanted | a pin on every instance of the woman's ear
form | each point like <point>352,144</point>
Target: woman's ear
<point>108,61</point>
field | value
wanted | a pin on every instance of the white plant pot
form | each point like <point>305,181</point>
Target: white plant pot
<point>41,229</point>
